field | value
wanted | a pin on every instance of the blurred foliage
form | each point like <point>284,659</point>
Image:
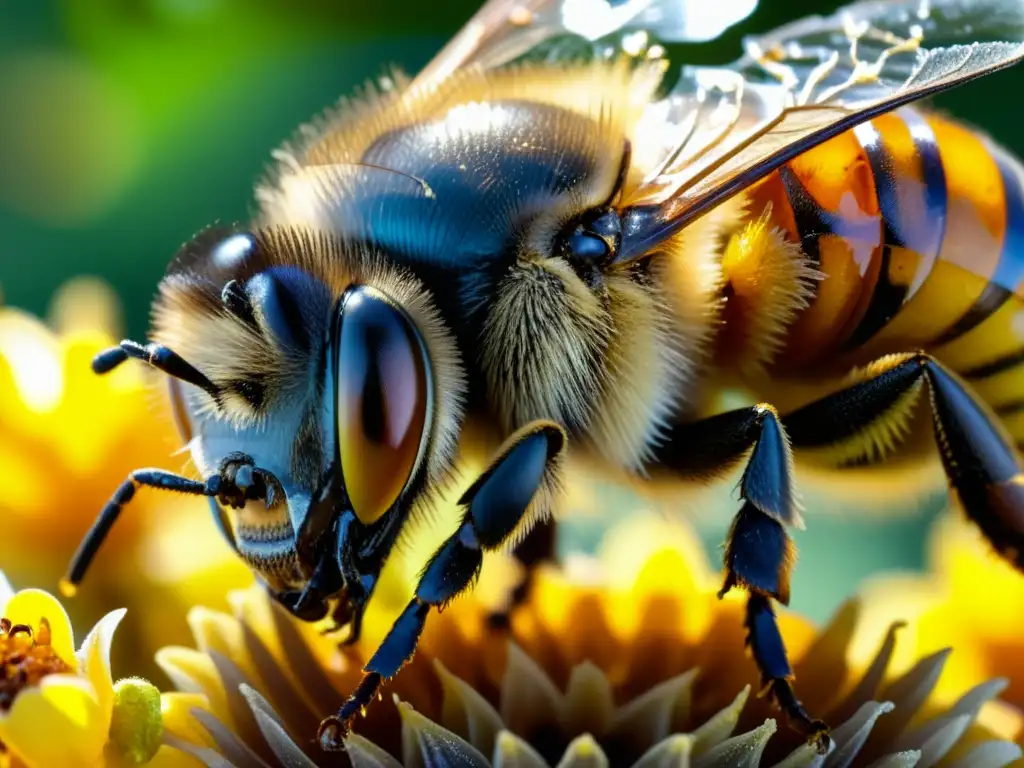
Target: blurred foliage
<point>127,125</point>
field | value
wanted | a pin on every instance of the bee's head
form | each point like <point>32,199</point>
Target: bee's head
<point>330,371</point>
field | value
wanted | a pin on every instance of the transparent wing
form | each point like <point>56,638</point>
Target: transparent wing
<point>505,30</point>
<point>721,129</point>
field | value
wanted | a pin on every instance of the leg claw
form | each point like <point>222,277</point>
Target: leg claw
<point>331,734</point>
<point>818,737</point>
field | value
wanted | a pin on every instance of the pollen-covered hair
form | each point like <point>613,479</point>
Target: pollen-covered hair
<point>245,357</point>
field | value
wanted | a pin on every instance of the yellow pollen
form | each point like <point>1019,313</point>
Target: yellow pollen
<point>26,657</point>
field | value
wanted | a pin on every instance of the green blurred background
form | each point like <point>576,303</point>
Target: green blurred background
<point>127,125</point>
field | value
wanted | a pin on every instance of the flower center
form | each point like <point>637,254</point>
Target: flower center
<point>26,657</point>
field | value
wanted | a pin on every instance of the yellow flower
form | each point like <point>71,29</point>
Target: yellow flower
<point>59,707</point>
<point>624,659</point>
<point>68,439</point>
<point>972,600</point>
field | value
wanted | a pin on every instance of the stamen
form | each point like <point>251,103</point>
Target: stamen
<point>26,657</point>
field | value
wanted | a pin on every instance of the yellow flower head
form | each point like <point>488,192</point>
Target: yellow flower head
<point>628,659</point>
<point>972,600</point>
<point>68,439</point>
<point>59,707</point>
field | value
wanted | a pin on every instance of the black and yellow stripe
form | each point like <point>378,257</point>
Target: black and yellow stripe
<point>917,224</point>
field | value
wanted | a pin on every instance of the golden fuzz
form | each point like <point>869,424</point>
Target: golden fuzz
<point>190,319</point>
<point>769,281</point>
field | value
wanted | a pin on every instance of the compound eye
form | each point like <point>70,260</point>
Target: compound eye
<point>587,247</point>
<point>383,400</point>
<point>593,239</point>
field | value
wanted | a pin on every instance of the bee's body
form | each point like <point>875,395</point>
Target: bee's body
<point>917,226</point>
<point>908,235</point>
<point>511,263</point>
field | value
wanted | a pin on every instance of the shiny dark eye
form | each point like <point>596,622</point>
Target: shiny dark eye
<point>227,250</point>
<point>383,400</point>
<point>592,240</point>
<point>289,302</point>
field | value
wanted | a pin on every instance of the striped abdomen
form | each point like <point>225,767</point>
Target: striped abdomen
<point>918,226</point>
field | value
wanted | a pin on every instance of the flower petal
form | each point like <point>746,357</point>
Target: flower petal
<point>969,705</point>
<point>718,728</point>
<point>851,735</point>
<point>57,723</point>
<point>991,754</point>
<point>424,742</point>
<point>583,752</point>
<point>169,757</point>
<point>898,760</point>
<point>30,606</point>
<point>673,752</point>
<point>909,693</point>
<point>466,712</point>
<point>206,756</point>
<point>648,718</point>
<point>510,751</point>
<point>363,753</point>
<point>289,704</point>
<point>280,743</point>
<point>743,751</point>
<point>228,742</point>
<point>866,689</point>
<point>825,662</point>
<point>6,592</point>
<point>806,756</point>
<point>221,633</point>
<point>588,704</point>
<point>940,740</point>
<point>176,714</point>
<point>528,697</point>
<point>94,658</point>
<point>194,672</point>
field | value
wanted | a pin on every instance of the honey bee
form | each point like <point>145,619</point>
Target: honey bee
<point>537,252</point>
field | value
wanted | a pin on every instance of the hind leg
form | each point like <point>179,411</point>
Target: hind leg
<point>981,463</point>
<point>860,420</point>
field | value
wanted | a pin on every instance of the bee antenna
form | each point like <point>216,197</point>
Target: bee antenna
<point>427,189</point>
<point>158,356</point>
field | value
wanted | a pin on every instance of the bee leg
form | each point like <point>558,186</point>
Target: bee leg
<point>311,602</point>
<point>759,552</point>
<point>234,483</point>
<point>494,507</point>
<point>360,554</point>
<point>299,603</point>
<point>979,457</point>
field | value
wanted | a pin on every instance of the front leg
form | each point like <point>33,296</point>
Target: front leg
<point>360,555</point>
<point>494,508</point>
<point>759,552</point>
<point>349,562</point>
